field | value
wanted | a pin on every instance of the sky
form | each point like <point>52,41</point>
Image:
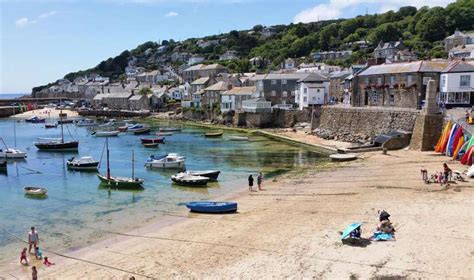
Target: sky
<point>42,40</point>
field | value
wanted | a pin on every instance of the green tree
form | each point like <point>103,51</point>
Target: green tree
<point>145,91</point>
<point>431,26</point>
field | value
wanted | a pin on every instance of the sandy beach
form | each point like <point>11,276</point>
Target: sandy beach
<point>291,230</point>
<point>45,113</point>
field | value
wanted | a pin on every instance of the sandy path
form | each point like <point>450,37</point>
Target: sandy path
<point>290,230</point>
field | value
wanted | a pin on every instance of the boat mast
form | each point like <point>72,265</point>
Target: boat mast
<point>14,128</point>
<point>133,165</point>
<point>108,164</point>
<point>61,120</point>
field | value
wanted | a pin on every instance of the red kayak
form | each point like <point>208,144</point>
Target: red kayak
<point>153,140</point>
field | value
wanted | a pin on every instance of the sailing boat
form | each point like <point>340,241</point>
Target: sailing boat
<point>55,144</point>
<point>9,152</point>
<point>120,182</point>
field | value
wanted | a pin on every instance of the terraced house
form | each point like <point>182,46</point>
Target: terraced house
<point>396,84</point>
<point>279,88</point>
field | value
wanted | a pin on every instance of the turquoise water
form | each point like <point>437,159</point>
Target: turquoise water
<point>77,209</point>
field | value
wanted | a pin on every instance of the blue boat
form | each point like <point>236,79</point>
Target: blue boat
<point>212,206</point>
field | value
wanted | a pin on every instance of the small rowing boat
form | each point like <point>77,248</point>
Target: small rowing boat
<point>51,125</point>
<point>170,129</point>
<point>105,133</point>
<point>35,190</point>
<point>213,134</point>
<point>153,140</point>
<point>164,133</point>
<point>150,145</point>
<point>35,119</point>
<point>213,207</point>
<point>141,131</point>
<point>238,138</point>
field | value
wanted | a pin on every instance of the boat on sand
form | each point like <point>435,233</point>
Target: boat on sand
<point>214,207</point>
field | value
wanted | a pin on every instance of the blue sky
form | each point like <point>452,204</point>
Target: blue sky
<point>42,40</point>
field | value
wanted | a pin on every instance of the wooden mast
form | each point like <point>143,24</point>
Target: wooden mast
<point>108,163</point>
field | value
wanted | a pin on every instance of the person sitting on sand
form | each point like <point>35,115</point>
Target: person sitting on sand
<point>47,262</point>
<point>23,257</point>
<point>356,233</point>
<point>38,253</point>
<point>385,225</point>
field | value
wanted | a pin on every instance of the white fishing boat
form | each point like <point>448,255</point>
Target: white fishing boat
<point>106,133</point>
<point>238,138</point>
<point>171,160</point>
<point>35,190</point>
<point>84,163</point>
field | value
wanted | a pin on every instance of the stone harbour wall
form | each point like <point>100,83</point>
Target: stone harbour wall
<point>363,124</point>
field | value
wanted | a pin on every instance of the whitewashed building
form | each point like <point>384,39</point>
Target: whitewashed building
<point>231,100</point>
<point>457,85</point>
<point>312,90</point>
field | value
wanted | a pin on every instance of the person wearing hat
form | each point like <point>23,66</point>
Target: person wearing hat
<point>385,225</point>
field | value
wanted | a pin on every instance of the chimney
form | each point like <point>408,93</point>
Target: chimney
<point>456,32</point>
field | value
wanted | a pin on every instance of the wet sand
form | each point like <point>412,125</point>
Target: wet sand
<point>291,230</point>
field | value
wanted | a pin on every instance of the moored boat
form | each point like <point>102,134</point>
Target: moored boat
<point>170,129</point>
<point>213,134</point>
<point>35,190</point>
<point>153,140</point>
<point>141,131</point>
<point>84,163</point>
<point>164,133</point>
<point>86,122</point>
<point>211,174</point>
<point>122,128</point>
<point>35,119</point>
<point>105,133</point>
<point>65,121</point>
<point>12,153</point>
<point>238,138</point>
<point>171,160</point>
<point>189,180</point>
<point>150,145</point>
<point>56,145</point>
<point>213,207</point>
<point>51,125</point>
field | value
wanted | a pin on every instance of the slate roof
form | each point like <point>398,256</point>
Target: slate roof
<point>313,77</point>
<point>406,67</point>
<point>290,76</point>
<point>200,81</point>
<point>240,91</point>
<point>459,67</point>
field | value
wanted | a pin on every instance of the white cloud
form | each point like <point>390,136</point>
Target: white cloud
<point>23,22</point>
<point>335,8</point>
<point>47,14</point>
<point>171,14</point>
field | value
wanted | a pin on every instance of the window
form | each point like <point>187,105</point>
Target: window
<point>305,90</point>
<point>283,82</point>
<point>317,90</point>
<point>305,99</point>
<point>284,94</point>
<point>465,81</point>
<point>366,80</point>
<point>379,80</point>
<point>274,82</point>
<point>443,80</point>
<point>292,93</point>
<point>409,79</point>
<point>274,93</point>
<point>392,80</point>
<point>391,99</point>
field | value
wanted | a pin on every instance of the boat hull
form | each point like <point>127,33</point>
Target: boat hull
<point>213,207</point>
<point>170,165</point>
<point>141,131</point>
<point>211,174</point>
<point>58,147</point>
<point>93,166</point>
<point>124,183</point>
<point>190,183</point>
<point>213,135</point>
<point>35,191</point>
<point>152,141</point>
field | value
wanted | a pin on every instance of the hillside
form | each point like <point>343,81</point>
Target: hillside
<point>422,30</point>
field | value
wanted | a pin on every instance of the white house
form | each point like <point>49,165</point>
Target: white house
<point>228,55</point>
<point>312,90</point>
<point>462,52</point>
<point>195,59</point>
<point>231,100</point>
<point>457,84</point>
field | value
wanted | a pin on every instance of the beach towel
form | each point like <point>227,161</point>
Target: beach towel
<point>381,236</point>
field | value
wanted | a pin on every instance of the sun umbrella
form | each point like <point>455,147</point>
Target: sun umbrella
<point>349,229</point>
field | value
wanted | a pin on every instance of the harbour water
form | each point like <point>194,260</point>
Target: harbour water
<point>77,210</point>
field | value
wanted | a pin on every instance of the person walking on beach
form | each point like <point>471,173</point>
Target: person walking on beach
<point>259,181</point>
<point>250,183</point>
<point>23,257</point>
<point>34,273</point>
<point>33,239</point>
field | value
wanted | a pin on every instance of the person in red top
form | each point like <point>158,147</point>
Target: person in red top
<point>447,172</point>
<point>23,257</point>
<point>47,262</point>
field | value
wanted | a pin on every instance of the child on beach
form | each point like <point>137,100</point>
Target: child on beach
<point>34,273</point>
<point>47,262</point>
<point>38,253</point>
<point>23,257</point>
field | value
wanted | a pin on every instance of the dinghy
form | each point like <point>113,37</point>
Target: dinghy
<point>86,122</point>
<point>238,138</point>
<point>153,140</point>
<point>150,145</point>
<point>141,131</point>
<point>212,206</point>
<point>211,174</point>
<point>51,125</point>
<point>35,190</point>
<point>164,133</point>
<point>213,134</point>
<point>84,164</point>
<point>35,119</point>
<point>189,180</point>
<point>105,133</point>
<point>170,129</point>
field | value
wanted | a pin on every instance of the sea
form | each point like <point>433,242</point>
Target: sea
<point>11,95</point>
<point>78,211</point>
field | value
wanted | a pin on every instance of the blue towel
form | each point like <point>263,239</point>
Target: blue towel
<point>380,236</point>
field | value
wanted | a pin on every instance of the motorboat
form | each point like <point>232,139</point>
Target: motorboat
<point>51,125</point>
<point>122,128</point>
<point>65,121</point>
<point>171,160</point>
<point>170,129</point>
<point>213,134</point>
<point>141,131</point>
<point>12,153</point>
<point>238,138</point>
<point>106,133</point>
<point>35,119</point>
<point>84,163</point>
<point>211,174</point>
<point>35,190</point>
<point>86,122</point>
<point>189,180</point>
<point>153,140</point>
<point>213,207</point>
<point>134,127</point>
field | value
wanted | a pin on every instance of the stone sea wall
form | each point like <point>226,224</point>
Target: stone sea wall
<point>363,124</point>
